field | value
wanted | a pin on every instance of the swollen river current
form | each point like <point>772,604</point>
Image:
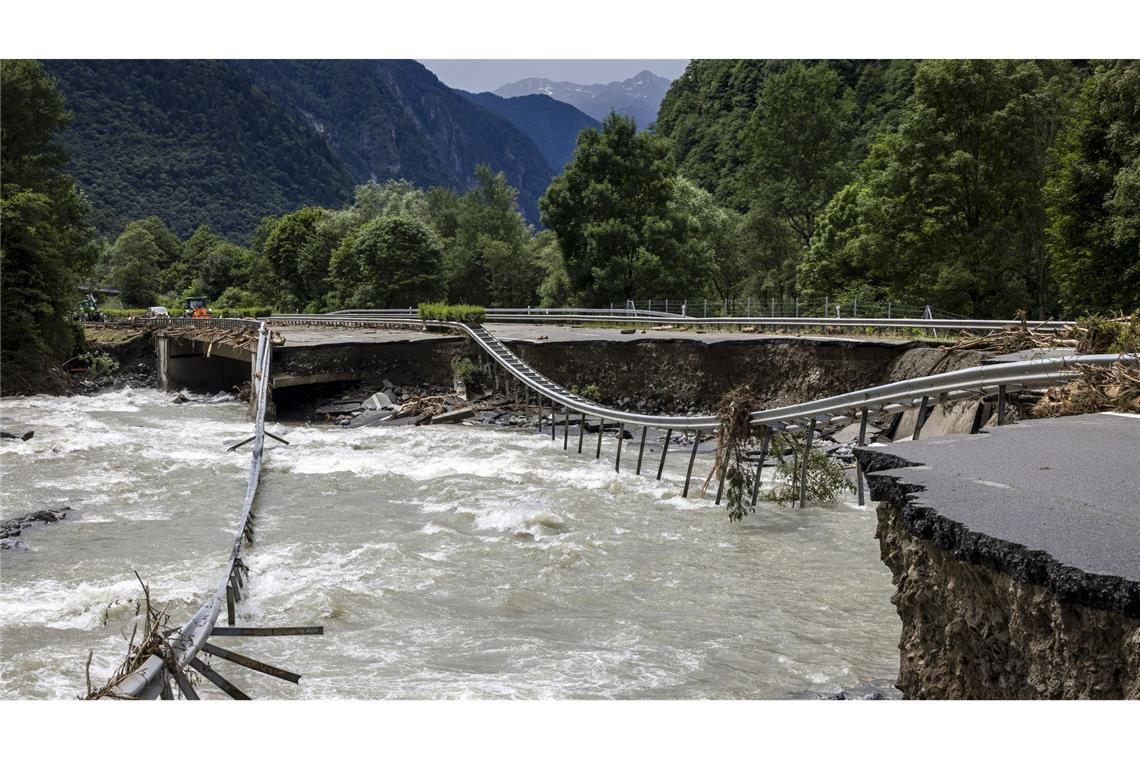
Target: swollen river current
<point>443,562</point>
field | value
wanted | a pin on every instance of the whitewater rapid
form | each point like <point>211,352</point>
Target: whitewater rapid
<point>443,562</point>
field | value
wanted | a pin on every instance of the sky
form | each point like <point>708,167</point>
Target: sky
<point>486,75</point>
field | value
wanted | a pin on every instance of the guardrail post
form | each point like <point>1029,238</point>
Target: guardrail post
<point>641,449</point>
<point>920,420</point>
<point>765,440</point>
<point>566,429</point>
<point>804,463</point>
<point>706,308</point>
<point>601,427</point>
<point>1001,405</point>
<point>621,438</point>
<point>664,451</point>
<point>581,431</point>
<point>692,458</point>
<point>858,465</point>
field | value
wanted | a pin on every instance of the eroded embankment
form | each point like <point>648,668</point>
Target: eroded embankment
<point>1020,589</point>
<point>651,374</point>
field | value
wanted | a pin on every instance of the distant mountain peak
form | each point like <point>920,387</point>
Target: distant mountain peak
<point>638,97</point>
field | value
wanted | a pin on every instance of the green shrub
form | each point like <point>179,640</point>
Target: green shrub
<point>99,364</point>
<point>590,392</point>
<point>122,313</point>
<point>463,369</point>
<point>826,481</point>
<point>443,312</point>
<point>250,312</point>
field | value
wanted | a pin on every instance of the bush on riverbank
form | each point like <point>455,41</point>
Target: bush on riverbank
<point>444,312</point>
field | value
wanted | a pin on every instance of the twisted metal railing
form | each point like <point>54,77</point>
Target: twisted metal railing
<point>184,645</point>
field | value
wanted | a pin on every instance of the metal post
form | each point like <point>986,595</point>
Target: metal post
<point>855,308</point>
<point>552,419</point>
<point>765,440</point>
<point>541,398</point>
<point>797,307</point>
<point>720,483</point>
<point>772,302</point>
<point>666,305</point>
<point>581,431</point>
<point>1001,405</point>
<point>706,308</point>
<point>804,463</point>
<point>748,307</point>
<point>664,451</point>
<point>601,427</point>
<point>641,449</point>
<point>566,429</point>
<point>230,603</point>
<point>692,458</point>
<point>921,419</point>
<point>650,305</point>
<point>826,305</point>
<point>621,438</point>
<point>858,464</point>
<point>888,309</point>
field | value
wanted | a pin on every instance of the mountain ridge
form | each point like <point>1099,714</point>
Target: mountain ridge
<point>637,97</point>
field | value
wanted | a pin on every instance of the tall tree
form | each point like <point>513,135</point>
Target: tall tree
<point>939,212</point>
<point>393,261</point>
<point>489,258</point>
<point>801,142</point>
<point>1094,231</point>
<point>45,241</point>
<point>611,210</point>
<point>136,260</point>
<point>299,249</point>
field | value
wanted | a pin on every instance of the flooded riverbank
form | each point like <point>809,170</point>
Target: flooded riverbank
<point>444,562</point>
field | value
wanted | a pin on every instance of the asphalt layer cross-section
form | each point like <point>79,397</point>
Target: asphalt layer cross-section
<point>1053,502</point>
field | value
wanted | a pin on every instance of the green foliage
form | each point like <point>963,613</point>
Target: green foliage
<point>800,144</point>
<point>445,312</point>
<point>45,242</point>
<point>955,194</point>
<point>127,313</point>
<point>1094,232</point>
<point>390,262</point>
<point>589,392</point>
<point>463,369</point>
<point>192,142</point>
<point>489,256</point>
<point>611,211</point>
<point>99,363</point>
<point>826,481</point>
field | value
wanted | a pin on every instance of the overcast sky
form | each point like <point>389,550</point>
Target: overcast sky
<point>486,75</point>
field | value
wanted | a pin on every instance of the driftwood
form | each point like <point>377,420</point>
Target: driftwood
<point>1115,388</point>
<point>153,642</point>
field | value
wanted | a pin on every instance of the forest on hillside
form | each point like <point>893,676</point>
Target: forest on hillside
<point>981,188</point>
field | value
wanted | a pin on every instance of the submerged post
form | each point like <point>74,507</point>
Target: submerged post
<point>566,429</point>
<point>641,449</point>
<point>664,451</point>
<point>601,427</point>
<point>581,431</point>
<point>765,440</point>
<point>692,458</point>
<point>621,438</point>
<point>858,465</point>
<point>804,463</point>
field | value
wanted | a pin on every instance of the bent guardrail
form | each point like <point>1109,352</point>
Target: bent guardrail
<point>151,680</point>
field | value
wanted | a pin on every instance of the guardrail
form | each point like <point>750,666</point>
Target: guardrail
<point>633,316</point>
<point>151,679</point>
<point>891,397</point>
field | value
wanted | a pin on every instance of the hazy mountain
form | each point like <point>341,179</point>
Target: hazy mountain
<point>638,97</point>
<point>551,124</point>
<point>225,143</point>
<point>389,119</point>
<point>194,142</point>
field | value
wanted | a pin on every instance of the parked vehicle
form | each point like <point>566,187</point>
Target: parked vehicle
<point>197,309</point>
<point>157,311</point>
